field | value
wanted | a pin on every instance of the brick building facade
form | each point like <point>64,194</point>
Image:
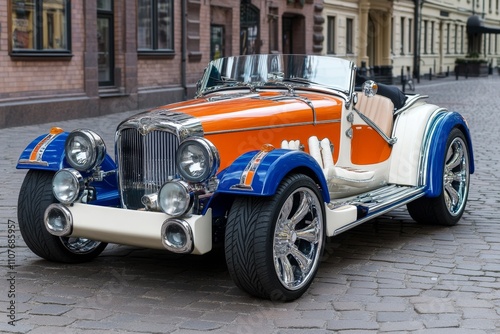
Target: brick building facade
<point>63,59</point>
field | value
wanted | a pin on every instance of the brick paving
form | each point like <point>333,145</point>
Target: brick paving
<point>387,275</point>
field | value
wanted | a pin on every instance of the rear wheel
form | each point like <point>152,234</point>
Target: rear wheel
<point>35,196</point>
<point>448,207</point>
<point>273,245</point>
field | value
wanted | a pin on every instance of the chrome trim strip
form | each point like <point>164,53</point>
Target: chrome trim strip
<point>251,168</point>
<point>33,162</point>
<point>293,96</point>
<point>410,101</point>
<point>271,127</point>
<point>181,124</point>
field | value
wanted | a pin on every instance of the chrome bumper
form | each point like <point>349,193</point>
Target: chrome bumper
<point>127,227</point>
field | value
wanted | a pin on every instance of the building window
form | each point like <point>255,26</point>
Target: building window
<point>432,37</point>
<point>155,26</point>
<point>402,51</point>
<point>274,41</point>
<point>349,36</point>
<point>462,39</point>
<point>456,38</point>
<point>410,37</point>
<point>40,27</point>
<point>330,35</point>
<point>448,38</point>
<point>392,35</point>
<point>249,28</point>
<point>216,42</point>
<point>425,36</point>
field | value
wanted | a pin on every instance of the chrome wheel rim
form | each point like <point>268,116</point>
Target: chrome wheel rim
<point>298,238</point>
<point>456,177</point>
<point>79,245</point>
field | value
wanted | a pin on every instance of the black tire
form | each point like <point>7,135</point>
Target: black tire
<point>259,245</point>
<point>449,206</point>
<point>34,197</point>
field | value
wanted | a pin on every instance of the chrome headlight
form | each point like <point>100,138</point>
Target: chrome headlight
<point>197,159</point>
<point>85,150</point>
<point>175,198</point>
<point>67,185</point>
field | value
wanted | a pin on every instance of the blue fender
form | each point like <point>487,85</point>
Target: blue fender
<point>46,152</point>
<point>436,149</point>
<point>269,172</point>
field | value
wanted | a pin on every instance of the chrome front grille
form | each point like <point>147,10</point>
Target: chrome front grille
<point>145,163</point>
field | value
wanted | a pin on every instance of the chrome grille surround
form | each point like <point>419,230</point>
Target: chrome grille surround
<point>145,151</point>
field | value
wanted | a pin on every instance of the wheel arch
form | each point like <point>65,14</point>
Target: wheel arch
<point>435,149</point>
<point>269,170</point>
<point>46,152</point>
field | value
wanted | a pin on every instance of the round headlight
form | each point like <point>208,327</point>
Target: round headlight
<point>85,149</point>
<point>197,159</point>
<point>175,198</point>
<point>67,185</point>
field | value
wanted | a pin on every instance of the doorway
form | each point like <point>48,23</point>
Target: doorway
<point>293,34</point>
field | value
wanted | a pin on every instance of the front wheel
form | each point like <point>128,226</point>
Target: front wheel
<point>35,196</point>
<point>448,207</point>
<point>273,245</point>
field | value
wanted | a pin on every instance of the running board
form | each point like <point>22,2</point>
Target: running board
<point>347,213</point>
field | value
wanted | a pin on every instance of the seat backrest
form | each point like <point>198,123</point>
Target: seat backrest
<point>379,109</point>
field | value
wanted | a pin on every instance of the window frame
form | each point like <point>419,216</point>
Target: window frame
<point>24,54</point>
<point>154,51</point>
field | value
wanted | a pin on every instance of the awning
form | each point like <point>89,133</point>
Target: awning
<point>475,25</point>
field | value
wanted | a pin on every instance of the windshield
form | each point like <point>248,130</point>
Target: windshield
<point>291,71</point>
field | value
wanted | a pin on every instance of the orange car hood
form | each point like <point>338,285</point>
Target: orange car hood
<point>230,112</point>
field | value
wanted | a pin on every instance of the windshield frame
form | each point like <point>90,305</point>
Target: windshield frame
<point>278,71</point>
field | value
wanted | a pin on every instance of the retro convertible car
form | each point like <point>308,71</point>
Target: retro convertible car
<point>275,154</point>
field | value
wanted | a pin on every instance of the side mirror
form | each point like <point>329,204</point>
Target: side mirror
<point>370,88</point>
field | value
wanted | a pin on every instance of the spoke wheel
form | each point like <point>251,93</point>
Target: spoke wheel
<point>273,245</point>
<point>447,208</point>
<point>456,176</point>
<point>297,238</point>
<point>35,196</point>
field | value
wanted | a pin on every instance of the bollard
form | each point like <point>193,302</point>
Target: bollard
<point>456,72</point>
<point>430,73</point>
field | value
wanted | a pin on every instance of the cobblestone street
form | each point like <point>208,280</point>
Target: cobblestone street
<point>387,275</point>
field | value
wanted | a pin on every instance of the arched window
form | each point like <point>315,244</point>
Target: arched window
<point>249,28</point>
